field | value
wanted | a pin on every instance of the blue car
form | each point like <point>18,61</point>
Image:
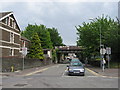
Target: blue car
<point>76,68</point>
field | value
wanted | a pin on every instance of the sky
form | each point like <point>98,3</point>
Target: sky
<point>61,14</point>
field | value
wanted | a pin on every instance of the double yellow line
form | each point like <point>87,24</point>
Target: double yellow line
<point>94,73</point>
<point>41,70</point>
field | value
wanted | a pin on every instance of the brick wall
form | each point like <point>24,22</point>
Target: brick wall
<point>17,63</point>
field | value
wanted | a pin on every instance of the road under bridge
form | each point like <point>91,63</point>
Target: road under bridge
<point>65,50</point>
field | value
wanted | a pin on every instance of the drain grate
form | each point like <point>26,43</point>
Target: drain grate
<point>20,85</point>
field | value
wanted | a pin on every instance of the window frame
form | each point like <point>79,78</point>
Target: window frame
<point>11,52</point>
<point>11,37</point>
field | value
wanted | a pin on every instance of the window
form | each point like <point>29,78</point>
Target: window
<point>11,22</point>
<point>14,26</point>
<point>23,43</point>
<point>11,37</point>
<point>76,64</point>
<point>6,20</point>
<point>45,52</point>
<point>11,52</point>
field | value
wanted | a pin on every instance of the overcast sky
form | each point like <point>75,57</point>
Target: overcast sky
<point>62,15</point>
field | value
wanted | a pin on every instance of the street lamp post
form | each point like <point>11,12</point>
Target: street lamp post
<point>100,47</point>
<point>101,56</point>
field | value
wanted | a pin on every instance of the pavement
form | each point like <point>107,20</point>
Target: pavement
<point>108,72</point>
<point>27,72</point>
<point>112,72</point>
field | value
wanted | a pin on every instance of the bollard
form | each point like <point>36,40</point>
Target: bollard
<point>12,68</point>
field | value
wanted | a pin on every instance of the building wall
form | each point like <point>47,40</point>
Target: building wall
<point>5,35</point>
<point>5,43</point>
<point>10,28</point>
<point>0,50</point>
<point>25,43</point>
<point>17,39</point>
<point>11,45</point>
<point>16,52</point>
<point>5,52</point>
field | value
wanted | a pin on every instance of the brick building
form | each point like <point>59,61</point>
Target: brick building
<point>10,38</point>
<point>11,42</point>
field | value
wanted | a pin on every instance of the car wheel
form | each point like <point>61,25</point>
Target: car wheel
<point>69,74</point>
<point>83,74</point>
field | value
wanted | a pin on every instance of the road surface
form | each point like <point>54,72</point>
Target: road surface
<point>56,77</point>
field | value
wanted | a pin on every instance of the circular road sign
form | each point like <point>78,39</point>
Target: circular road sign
<point>102,51</point>
<point>24,51</point>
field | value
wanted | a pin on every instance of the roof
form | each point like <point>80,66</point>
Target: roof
<point>47,49</point>
<point>24,38</point>
<point>2,14</point>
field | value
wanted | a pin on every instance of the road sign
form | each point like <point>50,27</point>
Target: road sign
<point>108,50</point>
<point>102,51</point>
<point>24,51</point>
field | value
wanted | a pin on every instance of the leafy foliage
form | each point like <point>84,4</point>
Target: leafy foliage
<point>89,35</point>
<point>55,37</point>
<point>42,32</point>
<point>49,36</point>
<point>35,48</point>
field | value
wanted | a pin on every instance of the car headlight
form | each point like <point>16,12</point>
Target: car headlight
<point>70,69</point>
<point>81,70</point>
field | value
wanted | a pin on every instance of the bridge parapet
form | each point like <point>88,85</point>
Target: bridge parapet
<point>69,49</point>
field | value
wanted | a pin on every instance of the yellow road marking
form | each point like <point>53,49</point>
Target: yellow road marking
<point>96,74</point>
<point>36,72</point>
<point>99,74</point>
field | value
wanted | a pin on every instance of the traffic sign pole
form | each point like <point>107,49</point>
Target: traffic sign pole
<point>108,51</point>
<point>24,53</point>
<point>23,62</point>
<point>102,52</point>
<point>108,61</point>
<point>103,67</point>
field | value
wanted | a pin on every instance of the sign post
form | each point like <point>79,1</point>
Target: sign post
<point>102,52</point>
<point>24,53</point>
<point>108,51</point>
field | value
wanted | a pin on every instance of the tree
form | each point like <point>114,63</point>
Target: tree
<point>42,32</point>
<point>35,48</point>
<point>29,31</point>
<point>55,37</point>
<point>89,35</point>
<point>44,37</point>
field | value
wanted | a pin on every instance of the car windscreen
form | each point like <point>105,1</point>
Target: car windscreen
<point>73,60</point>
<point>76,64</point>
